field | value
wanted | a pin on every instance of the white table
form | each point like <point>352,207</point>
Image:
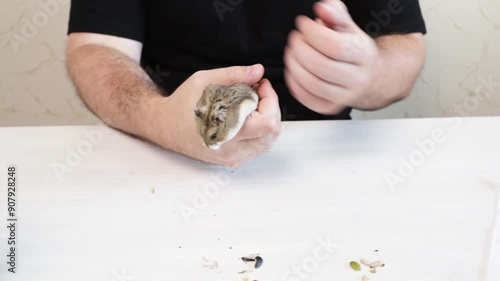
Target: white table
<point>117,214</point>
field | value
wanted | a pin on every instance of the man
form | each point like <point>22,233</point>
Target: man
<point>141,65</point>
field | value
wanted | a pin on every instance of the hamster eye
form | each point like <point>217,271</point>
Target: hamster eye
<point>213,137</point>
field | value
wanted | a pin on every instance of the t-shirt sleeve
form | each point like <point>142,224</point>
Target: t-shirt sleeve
<point>382,17</point>
<point>121,18</point>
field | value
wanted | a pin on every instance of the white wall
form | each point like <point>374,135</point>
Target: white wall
<point>463,49</point>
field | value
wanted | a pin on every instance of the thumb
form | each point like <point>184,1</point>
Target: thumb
<point>268,104</point>
<point>334,14</point>
<point>236,74</point>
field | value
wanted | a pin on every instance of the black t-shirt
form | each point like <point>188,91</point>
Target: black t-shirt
<point>184,36</point>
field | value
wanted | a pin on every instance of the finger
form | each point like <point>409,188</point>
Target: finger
<point>249,150</point>
<point>259,126</point>
<point>233,75</point>
<point>330,43</point>
<point>267,118</point>
<point>237,152</point>
<point>335,15</point>
<point>312,83</point>
<point>309,100</point>
<point>332,71</point>
<point>269,101</point>
<point>255,126</point>
<point>260,145</point>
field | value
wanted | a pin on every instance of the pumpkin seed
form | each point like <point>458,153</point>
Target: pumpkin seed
<point>354,265</point>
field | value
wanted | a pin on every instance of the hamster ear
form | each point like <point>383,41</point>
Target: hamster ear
<point>200,112</point>
<point>213,89</point>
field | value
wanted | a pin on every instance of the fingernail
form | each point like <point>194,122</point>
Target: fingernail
<point>328,6</point>
<point>252,70</point>
<point>333,2</point>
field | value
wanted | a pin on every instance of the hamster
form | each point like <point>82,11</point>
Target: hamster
<point>222,110</point>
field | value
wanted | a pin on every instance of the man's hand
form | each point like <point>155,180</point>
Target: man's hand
<point>332,64</point>
<point>109,79</point>
<point>257,135</point>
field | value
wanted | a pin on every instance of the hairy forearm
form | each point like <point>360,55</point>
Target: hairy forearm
<point>401,61</point>
<point>116,89</point>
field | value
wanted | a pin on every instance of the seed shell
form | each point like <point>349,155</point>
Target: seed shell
<point>377,264</point>
<point>258,261</point>
<point>365,262</point>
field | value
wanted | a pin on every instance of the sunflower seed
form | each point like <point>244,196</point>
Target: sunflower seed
<point>377,264</point>
<point>365,278</point>
<point>373,270</point>
<point>253,262</point>
<point>354,265</point>
<point>258,261</point>
<point>365,262</point>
